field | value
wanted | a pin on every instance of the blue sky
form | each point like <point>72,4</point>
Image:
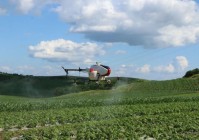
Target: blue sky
<point>148,39</point>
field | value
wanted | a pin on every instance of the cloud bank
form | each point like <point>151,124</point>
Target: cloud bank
<point>31,6</point>
<point>146,23</point>
<point>66,50</point>
<point>179,64</point>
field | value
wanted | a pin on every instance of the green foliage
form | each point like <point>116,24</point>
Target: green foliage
<point>159,118</point>
<point>169,87</point>
<point>191,73</point>
<point>35,86</point>
<point>125,109</point>
<point>50,86</point>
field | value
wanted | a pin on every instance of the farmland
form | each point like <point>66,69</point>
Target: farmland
<point>130,109</point>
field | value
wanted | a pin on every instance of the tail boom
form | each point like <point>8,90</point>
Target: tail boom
<point>67,70</point>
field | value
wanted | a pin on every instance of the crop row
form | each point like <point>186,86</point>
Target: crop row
<point>74,102</point>
<point>31,119</point>
<point>165,126</point>
<point>182,85</point>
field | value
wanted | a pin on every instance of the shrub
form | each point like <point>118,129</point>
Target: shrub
<point>191,73</point>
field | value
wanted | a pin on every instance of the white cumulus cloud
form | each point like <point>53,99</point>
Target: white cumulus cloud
<point>27,6</point>
<point>179,64</point>
<point>178,36</point>
<point>144,69</point>
<point>66,50</point>
<point>182,62</point>
<point>164,68</point>
<point>148,23</point>
<point>24,5</point>
<point>176,66</point>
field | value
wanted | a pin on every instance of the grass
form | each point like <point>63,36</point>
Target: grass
<point>131,109</point>
<point>101,115</point>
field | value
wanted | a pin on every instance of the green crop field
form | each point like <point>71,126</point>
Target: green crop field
<point>128,109</point>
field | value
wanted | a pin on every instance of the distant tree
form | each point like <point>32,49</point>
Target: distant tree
<point>191,73</point>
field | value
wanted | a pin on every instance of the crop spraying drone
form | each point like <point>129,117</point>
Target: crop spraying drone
<point>96,72</point>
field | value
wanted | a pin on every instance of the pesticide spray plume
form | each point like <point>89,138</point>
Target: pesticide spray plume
<point>116,93</point>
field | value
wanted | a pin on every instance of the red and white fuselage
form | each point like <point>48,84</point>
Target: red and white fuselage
<point>98,72</point>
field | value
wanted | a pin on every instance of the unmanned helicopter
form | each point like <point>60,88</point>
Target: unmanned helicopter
<point>97,72</point>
